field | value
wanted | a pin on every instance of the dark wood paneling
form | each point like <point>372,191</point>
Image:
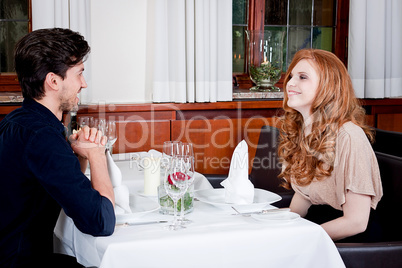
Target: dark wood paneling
<point>137,136</point>
<point>6,109</point>
<point>215,140</point>
<point>131,116</point>
<point>215,129</point>
<point>391,122</point>
<point>386,109</point>
<point>239,113</point>
<point>370,120</point>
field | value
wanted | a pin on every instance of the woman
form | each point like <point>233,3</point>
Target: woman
<point>325,145</point>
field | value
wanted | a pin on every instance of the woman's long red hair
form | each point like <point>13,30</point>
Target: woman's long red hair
<point>313,156</point>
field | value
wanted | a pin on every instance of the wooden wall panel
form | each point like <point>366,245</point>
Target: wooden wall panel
<point>391,122</point>
<point>131,116</point>
<point>137,136</point>
<point>6,109</point>
<point>215,140</point>
<point>214,128</point>
<point>9,83</point>
<point>370,120</point>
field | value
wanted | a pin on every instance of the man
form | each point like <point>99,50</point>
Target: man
<point>40,171</point>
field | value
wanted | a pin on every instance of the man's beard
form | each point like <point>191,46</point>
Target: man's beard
<point>74,109</point>
<point>67,105</point>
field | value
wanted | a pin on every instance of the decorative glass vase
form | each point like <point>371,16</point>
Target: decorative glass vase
<point>166,203</point>
<point>265,58</point>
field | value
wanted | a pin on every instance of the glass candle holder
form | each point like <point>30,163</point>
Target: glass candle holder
<point>265,58</point>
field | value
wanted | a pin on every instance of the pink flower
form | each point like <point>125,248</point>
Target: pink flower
<point>178,176</point>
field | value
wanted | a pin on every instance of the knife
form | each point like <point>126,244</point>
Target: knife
<point>265,211</point>
<point>142,223</point>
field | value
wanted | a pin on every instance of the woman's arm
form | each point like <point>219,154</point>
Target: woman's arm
<point>299,204</point>
<point>356,212</point>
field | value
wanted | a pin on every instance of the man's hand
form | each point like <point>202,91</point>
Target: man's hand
<point>88,141</point>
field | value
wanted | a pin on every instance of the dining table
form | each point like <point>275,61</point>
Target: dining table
<point>216,236</point>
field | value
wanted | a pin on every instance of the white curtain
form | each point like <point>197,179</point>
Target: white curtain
<point>375,48</point>
<point>72,14</point>
<point>193,49</point>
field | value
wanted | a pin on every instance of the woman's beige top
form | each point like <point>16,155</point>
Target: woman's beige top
<point>355,169</point>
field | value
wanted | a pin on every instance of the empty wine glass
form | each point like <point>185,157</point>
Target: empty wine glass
<point>170,148</point>
<point>111,134</point>
<point>84,121</point>
<point>108,128</point>
<point>175,183</point>
<point>186,150</point>
<point>94,123</point>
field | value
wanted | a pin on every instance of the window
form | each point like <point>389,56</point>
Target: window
<point>307,23</point>
<point>240,23</point>
<point>15,22</point>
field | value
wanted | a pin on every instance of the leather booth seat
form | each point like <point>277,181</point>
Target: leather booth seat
<point>388,142</point>
<point>266,166</point>
<point>378,255</point>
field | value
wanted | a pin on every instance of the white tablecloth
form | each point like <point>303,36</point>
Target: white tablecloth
<point>216,238</point>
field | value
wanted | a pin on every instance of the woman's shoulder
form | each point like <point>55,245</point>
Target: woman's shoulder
<point>351,129</point>
<point>351,133</point>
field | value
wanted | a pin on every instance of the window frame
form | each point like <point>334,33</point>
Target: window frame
<point>256,16</point>
<point>9,81</point>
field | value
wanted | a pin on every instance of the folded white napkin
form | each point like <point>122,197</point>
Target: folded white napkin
<point>238,187</point>
<point>121,194</point>
<point>152,152</point>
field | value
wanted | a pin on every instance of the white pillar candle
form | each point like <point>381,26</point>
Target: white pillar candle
<point>151,175</point>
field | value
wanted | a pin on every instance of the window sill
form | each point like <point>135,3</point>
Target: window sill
<point>239,94</point>
<point>242,85</point>
<point>11,97</point>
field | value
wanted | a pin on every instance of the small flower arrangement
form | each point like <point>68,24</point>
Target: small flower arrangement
<point>166,202</point>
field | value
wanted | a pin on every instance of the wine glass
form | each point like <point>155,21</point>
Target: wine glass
<point>108,128</point>
<point>100,124</point>
<point>84,121</point>
<point>94,123</point>
<point>176,185</point>
<point>110,134</point>
<point>186,150</point>
<point>170,148</point>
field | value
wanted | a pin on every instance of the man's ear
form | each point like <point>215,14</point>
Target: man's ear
<point>52,81</point>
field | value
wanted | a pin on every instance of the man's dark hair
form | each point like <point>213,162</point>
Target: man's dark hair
<point>43,51</point>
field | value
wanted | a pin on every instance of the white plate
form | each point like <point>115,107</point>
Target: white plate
<point>277,216</point>
<point>139,206</point>
<point>141,193</point>
<point>216,197</point>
